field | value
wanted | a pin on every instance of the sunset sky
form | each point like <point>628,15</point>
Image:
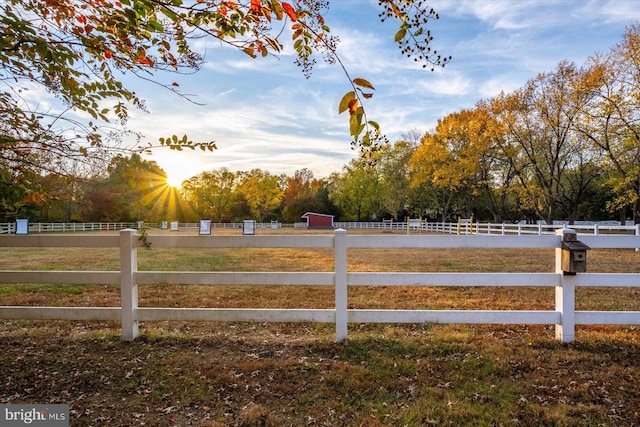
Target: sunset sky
<point>263,113</point>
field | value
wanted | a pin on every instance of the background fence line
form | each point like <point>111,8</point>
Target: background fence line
<point>564,317</point>
<point>414,226</point>
<point>63,227</point>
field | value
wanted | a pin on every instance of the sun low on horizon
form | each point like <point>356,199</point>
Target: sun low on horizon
<point>175,180</point>
<point>164,196</point>
<point>178,167</point>
<point>178,172</point>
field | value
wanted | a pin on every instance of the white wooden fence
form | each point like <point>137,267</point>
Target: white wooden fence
<point>414,225</point>
<point>57,227</point>
<point>564,317</point>
<point>489,228</point>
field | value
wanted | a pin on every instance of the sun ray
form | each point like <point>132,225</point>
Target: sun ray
<point>165,201</point>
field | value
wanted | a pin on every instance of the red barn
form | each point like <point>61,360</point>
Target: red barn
<point>317,220</point>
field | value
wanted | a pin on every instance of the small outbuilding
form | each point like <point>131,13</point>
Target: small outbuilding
<point>318,220</point>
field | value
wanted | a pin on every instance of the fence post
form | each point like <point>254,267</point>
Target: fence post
<point>128,286</point>
<point>340,282</point>
<point>565,299</point>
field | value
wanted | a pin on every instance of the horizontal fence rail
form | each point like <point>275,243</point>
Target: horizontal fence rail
<point>564,316</point>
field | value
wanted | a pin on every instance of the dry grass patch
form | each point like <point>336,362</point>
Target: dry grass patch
<point>284,374</point>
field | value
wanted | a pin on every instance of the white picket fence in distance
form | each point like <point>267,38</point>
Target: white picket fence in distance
<point>564,317</point>
<point>503,229</point>
<point>412,225</point>
<point>63,227</point>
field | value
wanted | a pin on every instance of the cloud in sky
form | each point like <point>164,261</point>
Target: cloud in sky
<point>264,114</point>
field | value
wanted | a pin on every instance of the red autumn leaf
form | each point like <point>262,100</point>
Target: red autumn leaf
<point>363,83</point>
<point>255,6</point>
<point>291,13</point>
<point>396,10</point>
<point>230,4</point>
<point>345,101</point>
<point>353,106</point>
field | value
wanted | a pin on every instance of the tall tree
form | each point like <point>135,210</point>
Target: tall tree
<point>131,190</point>
<point>300,186</point>
<point>450,160</point>
<point>540,142</point>
<point>612,121</point>
<point>261,192</point>
<point>396,192</point>
<point>303,193</point>
<point>213,193</point>
<point>356,191</point>
<point>496,174</point>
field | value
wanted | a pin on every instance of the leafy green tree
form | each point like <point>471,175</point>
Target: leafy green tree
<point>213,194</point>
<point>393,166</point>
<point>356,191</point>
<point>262,193</point>
<point>131,190</point>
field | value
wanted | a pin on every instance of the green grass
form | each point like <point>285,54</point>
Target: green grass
<point>43,288</point>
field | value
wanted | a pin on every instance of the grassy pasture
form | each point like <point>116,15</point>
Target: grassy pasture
<point>245,374</point>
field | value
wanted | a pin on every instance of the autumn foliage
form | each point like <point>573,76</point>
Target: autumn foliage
<point>568,138</point>
<point>78,50</point>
